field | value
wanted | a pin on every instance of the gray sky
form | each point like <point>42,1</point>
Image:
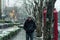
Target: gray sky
<point>57,5</point>
<point>12,2</point>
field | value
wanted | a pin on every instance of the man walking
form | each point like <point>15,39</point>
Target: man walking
<point>29,27</point>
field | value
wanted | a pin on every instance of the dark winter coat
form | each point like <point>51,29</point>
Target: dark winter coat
<point>29,26</point>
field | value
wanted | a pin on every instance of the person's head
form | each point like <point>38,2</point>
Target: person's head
<point>29,18</point>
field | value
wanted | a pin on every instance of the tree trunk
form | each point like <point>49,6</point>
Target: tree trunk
<point>39,19</point>
<point>49,15</point>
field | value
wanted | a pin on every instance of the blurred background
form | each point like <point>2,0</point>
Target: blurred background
<point>13,14</point>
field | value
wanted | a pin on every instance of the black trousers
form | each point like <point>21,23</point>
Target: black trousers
<point>29,36</point>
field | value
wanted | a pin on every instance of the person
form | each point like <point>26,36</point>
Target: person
<point>29,27</point>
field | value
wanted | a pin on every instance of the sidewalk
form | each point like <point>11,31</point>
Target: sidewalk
<point>21,36</point>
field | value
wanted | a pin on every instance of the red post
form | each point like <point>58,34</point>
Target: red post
<point>44,15</point>
<point>55,14</point>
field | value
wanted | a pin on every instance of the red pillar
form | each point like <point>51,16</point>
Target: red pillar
<point>55,14</point>
<point>44,15</point>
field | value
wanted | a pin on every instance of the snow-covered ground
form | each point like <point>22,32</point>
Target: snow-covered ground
<point>4,32</point>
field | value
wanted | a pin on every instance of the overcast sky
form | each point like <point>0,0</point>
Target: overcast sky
<point>57,5</point>
<point>12,2</point>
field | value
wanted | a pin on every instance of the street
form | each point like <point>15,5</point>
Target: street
<point>21,35</point>
<point>41,15</point>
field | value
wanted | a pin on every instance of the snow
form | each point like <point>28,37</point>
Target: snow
<point>21,25</point>
<point>4,32</point>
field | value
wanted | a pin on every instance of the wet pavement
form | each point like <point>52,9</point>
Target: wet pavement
<point>21,36</point>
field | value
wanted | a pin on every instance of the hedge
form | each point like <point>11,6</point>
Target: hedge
<point>10,35</point>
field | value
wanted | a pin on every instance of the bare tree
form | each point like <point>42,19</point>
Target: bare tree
<point>39,9</point>
<point>36,8</point>
<point>29,7</point>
